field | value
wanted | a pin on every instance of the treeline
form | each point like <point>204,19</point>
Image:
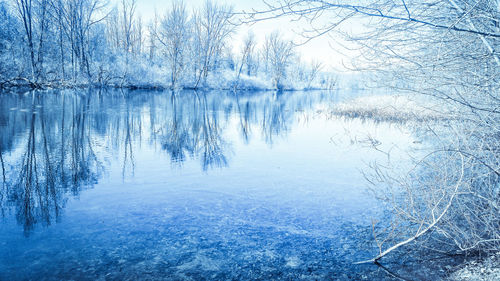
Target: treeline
<point>67,43</point>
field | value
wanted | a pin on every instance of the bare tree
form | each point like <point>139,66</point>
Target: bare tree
<point>212,26</point>
<point>43,22</point>
<point>26,13</point>
<point>153,29</point>
<point>113,30</point>
<point>127,23</point>
<point>9,43</point>
<point>79,18</point>
<point>315,68</point>
<point>59,18</point>
<point>138,37</point>
<point>278,52</point>
<point>246,55</point>
<point>173,35</point>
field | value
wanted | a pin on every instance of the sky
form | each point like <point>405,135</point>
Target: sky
<point>323,49</point>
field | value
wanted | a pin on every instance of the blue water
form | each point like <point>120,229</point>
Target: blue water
<point>113,184</point>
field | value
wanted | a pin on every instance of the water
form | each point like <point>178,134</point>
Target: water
<point>156,185</point>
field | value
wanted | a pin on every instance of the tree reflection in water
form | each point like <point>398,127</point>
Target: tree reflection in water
<point>176,138</point>
<point>55,156</point>
<point>54,144</point>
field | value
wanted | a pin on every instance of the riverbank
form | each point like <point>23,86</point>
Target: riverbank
<point>150,80</point>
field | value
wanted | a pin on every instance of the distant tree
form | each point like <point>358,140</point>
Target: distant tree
<point>314,70</point>
<point>58,18</point>
<point>153,31</point>
<point>25,9</point>
<point>173,35</point>
<point>80,16</point>
<point>9,43</point>
<point>128,8</point>
<point>278,53</point>
<point>246,55</point>
<point>212,26</point>
<point>138,37</point>
<point>113,33</point>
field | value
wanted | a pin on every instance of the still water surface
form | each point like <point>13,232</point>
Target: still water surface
<point>156,185</point>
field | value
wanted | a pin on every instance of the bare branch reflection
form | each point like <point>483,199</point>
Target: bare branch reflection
<point>54,144</point>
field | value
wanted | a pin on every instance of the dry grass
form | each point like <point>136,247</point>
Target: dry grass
<point>392,108</point>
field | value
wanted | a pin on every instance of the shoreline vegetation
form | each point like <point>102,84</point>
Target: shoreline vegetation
<point>228,85</point>
<point>92,43</point>
<point>391,108</point>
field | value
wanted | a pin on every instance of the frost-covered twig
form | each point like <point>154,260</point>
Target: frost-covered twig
<point>430,225</point>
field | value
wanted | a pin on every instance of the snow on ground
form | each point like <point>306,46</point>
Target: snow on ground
<point>399,108</point>
<point>487,270</point>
